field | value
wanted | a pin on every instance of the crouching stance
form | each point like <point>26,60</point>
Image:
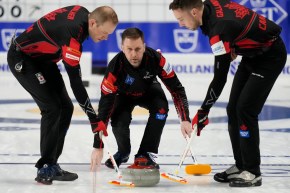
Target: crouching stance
<point>131,80</point>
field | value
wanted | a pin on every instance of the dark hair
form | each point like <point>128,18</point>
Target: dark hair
<point>185,4</point>
<point>103,14</point>
<point>132,33</point>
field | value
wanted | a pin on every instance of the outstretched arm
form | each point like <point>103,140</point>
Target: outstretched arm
<point>172,83</point>
<point>80,92</point>
<point>221,68</point>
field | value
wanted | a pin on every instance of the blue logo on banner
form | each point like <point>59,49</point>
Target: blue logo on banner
<point>185,40</point>
<point>7,34</point>
<point>160,116</point>
<point>129,80</point>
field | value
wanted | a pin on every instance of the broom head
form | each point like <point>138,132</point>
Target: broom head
<point>122,183</point>
<point>174,178</point>
<point>198,169</point>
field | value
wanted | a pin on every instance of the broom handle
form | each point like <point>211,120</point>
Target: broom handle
<point>184,154</point>
<point>192,155</point>
<point>104,139</point>
<point>190,148</point>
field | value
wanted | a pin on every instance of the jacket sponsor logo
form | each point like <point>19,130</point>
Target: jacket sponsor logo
<point>244,132</point>
<point>73,57</point>
<point>218,48</point>
<point>106,90</point>
<point>268,8</point>
<point>148,75</point>
<point>160,116</point>
<point>40,78</point>
<point>185,40</point>
<point>7,34</point>
<point>129,80</point>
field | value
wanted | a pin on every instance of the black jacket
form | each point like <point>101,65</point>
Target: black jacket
<point>122,78</point>
<point>57,36</point>
<point>233,28</point>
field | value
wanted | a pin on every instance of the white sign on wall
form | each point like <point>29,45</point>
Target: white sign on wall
<point>201,64</point>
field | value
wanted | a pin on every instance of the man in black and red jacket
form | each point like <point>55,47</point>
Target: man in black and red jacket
<point>32,59</point>
<point>131,80</point>
<point>236,30</point>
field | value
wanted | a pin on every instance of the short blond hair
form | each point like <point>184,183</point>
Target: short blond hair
<point>103,14</point>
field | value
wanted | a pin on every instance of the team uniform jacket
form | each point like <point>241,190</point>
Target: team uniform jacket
<point>42,44</point>
<point>122,78</point>
<point>233,28</point>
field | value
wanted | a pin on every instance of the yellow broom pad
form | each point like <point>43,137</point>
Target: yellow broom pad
<point>198,169</point>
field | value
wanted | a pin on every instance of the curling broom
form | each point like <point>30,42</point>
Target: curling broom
<point>196,168</point>
<point>174,176</point>
<point>119,181</point>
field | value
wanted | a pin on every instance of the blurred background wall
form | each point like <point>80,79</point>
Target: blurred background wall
<point>188,51</point>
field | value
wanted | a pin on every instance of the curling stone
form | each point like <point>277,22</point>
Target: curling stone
<point>141,177</point>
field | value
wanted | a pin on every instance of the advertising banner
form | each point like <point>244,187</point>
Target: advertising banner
<point>168,37</point>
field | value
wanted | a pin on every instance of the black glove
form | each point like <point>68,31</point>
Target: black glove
<point>201,119</point>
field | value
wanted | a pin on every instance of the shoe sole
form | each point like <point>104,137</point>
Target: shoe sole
<point>43,181</point>
<point>245,184</point>
<point>230,178</point>
<point>221,180</point>
<point>61,178</point>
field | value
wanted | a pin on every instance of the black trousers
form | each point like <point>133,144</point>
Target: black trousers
<point>252,84</point>
<point>45,84</point>
<point>155,101</point>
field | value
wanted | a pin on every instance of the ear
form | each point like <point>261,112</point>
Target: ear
<point>91,22</point>
<point>193,12</point>
<point>122,47</point>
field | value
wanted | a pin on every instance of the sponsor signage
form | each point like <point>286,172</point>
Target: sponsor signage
<point>167,36</point>
<point>200,64</point>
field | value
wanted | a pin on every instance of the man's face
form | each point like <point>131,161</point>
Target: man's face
<point>99,32</point>
<point>133,50</point>
<point>191,19</point>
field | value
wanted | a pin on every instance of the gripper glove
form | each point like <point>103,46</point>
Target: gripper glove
<point>99,126</point>
<point>201,119</point>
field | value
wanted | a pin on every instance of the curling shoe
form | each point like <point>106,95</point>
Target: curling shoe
<point>45,174</point>
<point>119,158</point>
<point>144,161</point>
<point>246,179</point>
<point>227,175</point>
<point>62,175</point>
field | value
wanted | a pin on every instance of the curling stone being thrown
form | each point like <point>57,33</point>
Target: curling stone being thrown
<point>141,177</point>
